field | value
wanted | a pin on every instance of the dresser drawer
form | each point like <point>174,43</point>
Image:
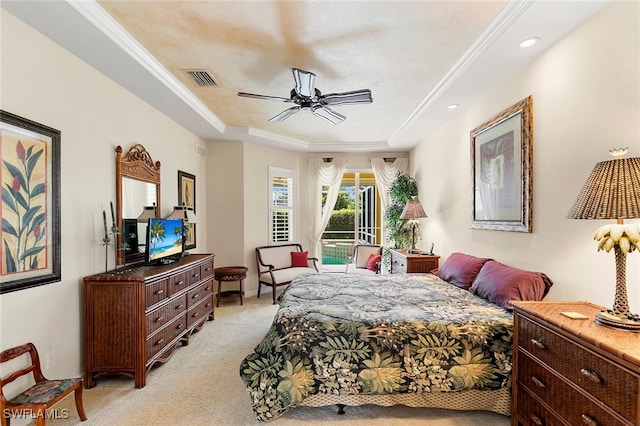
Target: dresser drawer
<point>533,412</point>
<point>156,292</point>
<point>571,405</point>
<point>193,275</point>
<point>611,384</point>
<point>177,283</point>
<point>398,265</point>
<point>199,293</point>
<point>200,311</point>
<point>157,318</point>
<point>206,269</point>
<point>164,337</point>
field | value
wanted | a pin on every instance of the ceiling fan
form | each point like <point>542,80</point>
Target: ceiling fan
<point>306,96</point>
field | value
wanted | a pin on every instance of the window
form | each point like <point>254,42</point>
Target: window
<point>281,211</point>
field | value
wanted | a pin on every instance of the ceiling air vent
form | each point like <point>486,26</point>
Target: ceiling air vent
<point>202,78</point>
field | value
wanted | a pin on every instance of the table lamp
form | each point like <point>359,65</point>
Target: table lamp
<point>412,211</point>
<point>612,191</point>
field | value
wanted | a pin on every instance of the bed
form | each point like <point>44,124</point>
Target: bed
<point>412,339</point>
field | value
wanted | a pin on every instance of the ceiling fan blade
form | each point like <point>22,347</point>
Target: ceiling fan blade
<point>355,97</point>
<point>328,114</point>
<point>286,113</point>
<point>266,97</point>
<point>305,82</point>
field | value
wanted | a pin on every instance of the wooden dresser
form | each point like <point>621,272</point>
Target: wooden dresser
<point>404,263</point>
<point>137,318</point>
<point>573,371</point>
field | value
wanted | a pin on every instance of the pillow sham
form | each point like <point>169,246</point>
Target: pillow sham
<point>299,259</point>
<point>460,269</point>
<point>372,262</point>
<point>501,284</point>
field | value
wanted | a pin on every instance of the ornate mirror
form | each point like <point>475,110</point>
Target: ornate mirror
<point>137,199</point>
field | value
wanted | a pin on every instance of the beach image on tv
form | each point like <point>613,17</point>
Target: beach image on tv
<point>165,237</point>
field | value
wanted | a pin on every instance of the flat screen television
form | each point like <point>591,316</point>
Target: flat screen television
<point>164,240</point>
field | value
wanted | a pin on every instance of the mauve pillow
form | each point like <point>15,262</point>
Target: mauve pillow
<point>501,284</point>
<point>460,269</point>
<point>299,259</point>
<point>372,262</point>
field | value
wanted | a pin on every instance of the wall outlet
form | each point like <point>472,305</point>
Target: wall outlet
<point>51,359</point>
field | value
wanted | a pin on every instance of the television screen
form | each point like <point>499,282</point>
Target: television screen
<point>164,240</point>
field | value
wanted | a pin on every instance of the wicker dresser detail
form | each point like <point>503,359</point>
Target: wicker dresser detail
<point>136,318</point>
<point>572,371</point>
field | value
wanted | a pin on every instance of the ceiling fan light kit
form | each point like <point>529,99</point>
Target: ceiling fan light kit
<point>306,96</point>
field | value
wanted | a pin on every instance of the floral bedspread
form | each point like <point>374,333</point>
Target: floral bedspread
<point>348,334</point>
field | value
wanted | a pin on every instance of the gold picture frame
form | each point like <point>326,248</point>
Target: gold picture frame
<point>502,170</point>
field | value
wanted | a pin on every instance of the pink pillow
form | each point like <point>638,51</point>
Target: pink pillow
<point>501,284</point>
<point>372,262</point>
<point>460,269</point>
<point>299,259</point>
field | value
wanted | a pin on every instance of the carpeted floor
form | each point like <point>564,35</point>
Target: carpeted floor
<point>200,385</point>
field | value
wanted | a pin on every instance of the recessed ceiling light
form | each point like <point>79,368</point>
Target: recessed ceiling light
<point>529,42</point>
<point>453,106</point>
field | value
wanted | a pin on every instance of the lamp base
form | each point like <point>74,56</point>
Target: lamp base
<point>629,322</point>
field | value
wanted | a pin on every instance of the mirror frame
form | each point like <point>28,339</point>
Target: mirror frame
<point>137,164</point>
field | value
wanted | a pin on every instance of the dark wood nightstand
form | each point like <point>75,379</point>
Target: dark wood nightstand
<point>572,371</point>
<point>404,263</point>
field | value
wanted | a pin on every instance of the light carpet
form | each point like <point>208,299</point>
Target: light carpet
<point>201,385</point>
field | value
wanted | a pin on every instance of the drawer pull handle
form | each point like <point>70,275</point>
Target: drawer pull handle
<point>588,420</point>
<point>539,383</point>
<point>180,282</point>
<point>179,326</point>
<point>538,343</point>
<point>159,341</point>
<point>195,275</point>
<point>536,420</point>
<point>591,375</point>
<point>195,314</point>
<point>160,291</point>
<point>207,305</point>
<point>195,296</point>
<point>160,318</point>
<point>179,306</point>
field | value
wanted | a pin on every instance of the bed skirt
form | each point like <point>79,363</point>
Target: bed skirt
<point>497,401</point>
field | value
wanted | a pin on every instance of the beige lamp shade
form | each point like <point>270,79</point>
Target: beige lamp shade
<point>413,210</point>
<point>185,213</point>
<point>149,212</point>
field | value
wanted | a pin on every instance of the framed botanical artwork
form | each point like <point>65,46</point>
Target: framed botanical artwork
<point>30,203</point>
<point>187,197</point>
<point>501,170</point>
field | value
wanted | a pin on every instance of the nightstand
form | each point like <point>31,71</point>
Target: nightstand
<point>404,263</point>
<point>572,371</point>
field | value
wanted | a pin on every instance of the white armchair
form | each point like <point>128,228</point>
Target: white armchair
<point>361,261</point>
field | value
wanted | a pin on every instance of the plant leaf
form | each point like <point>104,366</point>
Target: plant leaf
<point>30,252</point>
<point>7,228</point>
<point>28,216</point>
<point>37,190</point>
<point>7,198</point>
<point>32,162</point>
<point>11,263</point>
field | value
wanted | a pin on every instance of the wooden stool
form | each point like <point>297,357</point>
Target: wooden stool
<point>230,273</point>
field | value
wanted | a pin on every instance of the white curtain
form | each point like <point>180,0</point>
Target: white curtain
<point>323,174</point>
<point>385,173</point>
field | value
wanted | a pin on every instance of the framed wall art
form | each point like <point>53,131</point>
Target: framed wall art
<point>187,197</point>
<point>30,212</point>
<point>501,170</point>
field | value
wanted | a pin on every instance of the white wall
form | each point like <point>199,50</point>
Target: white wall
<point>44,83</point>
<point>586,100</point>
